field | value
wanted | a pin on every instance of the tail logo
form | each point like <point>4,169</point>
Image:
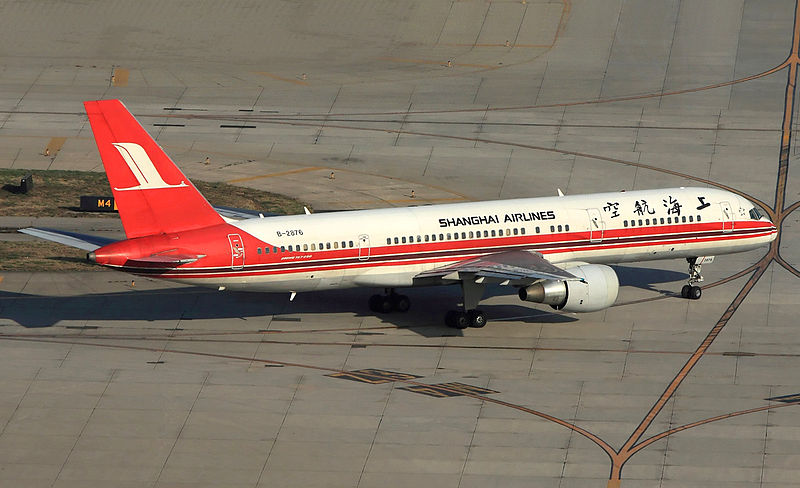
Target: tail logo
<point>142,168</point>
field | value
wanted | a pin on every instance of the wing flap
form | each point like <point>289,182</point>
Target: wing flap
<point>508,265</point>
<point>72,239</point>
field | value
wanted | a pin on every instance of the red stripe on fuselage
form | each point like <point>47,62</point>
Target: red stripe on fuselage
<point>432,253</point>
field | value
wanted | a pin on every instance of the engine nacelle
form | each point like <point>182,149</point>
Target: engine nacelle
<point>599,291</point>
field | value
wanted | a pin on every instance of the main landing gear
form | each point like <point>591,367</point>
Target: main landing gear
<point>470,316</point>
<point>691,291</point>
<point>461,320</point>
<point>389,302</point>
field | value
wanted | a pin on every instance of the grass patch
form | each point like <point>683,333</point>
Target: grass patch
<point>43,256</point>
<point>57,194</point>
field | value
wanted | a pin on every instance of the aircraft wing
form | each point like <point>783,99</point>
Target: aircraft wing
<point>72,239</point>
<point>241,213</point>
<point>507,266</point>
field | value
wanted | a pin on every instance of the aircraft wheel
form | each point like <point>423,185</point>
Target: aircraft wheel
<point>375,303</point>
<point>385,304</point>
<point>685,291</point>
<point>456,319</point>
<point>401,303</point>
<point>477,319</point>
<point>695,293</point>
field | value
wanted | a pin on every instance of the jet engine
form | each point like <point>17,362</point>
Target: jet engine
<point>597,292</point>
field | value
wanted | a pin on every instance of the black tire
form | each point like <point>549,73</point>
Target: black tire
<point>685,291</point>
<point>477,319</point>
<point>374,303</point>
<point>450,318</point>
<point>695,293</point>
<point>401,303</point>
<point>461,320</point>
<point>386,304</point>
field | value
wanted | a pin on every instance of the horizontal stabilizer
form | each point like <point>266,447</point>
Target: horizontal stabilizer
<point>72,239</point>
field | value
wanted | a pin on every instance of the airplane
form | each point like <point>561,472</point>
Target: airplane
<point>552,250</point>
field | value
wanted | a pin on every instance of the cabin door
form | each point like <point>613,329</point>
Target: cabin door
<point>727,217</point>
<point>596,225</point>
<point>237,251</point>
<point>363,247</point>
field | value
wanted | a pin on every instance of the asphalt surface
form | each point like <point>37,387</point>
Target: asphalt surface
<point>109,380</point>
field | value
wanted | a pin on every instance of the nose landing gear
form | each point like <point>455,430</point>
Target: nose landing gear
<point>690,290</point>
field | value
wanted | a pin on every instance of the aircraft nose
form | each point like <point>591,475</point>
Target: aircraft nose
<point>91,257</point>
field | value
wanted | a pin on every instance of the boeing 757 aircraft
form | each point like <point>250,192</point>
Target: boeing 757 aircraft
<point>552,250</point>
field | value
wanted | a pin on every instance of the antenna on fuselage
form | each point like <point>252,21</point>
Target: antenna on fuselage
<point>560,193</point>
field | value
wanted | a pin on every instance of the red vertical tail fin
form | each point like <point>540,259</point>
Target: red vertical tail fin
<point>153,196</point>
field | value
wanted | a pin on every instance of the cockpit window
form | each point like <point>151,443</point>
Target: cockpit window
<point>756,213</point>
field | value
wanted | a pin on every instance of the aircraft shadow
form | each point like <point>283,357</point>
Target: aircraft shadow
<point>426,316</point>
<point>646,278</point>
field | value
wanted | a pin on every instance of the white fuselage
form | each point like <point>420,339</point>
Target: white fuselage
<point>389,247</point>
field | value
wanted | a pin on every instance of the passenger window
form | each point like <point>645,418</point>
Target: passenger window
<point>290,248</point>
<point>463,235</point>
<point>455,236</point>
<point>662,220</point>
<point>624,223</point>
<point>691,219</point>
<point>552,228</point>
<point>403,239</point>
<point>344,245</point>
<point>283,248</point>
<point>698,218</point>
<point>566,227</point>
<point>441,237</point>
<point>419,238</point>
<point>433,237</point>
<point>508,232</point>
<point>427,237</point>
<point>640,222</point>
<point>305,247</point>
<point>259,250</point>
<point>314,246</point>
<point>321,247</point>
<point>275,249</point>
<point>266,250</point>
<point>486,233</point>
<point>516,231</point>
<point>646,221</point>
<point>327,245</point>
<point>683,219</point>
<point>669,220</point>
<point>396,240</point>
<point>537,230</point>
<point>559,228</point>
<point>522,231</point>
<point>493,234</point>
<point>351,244</point>
<point>388,240</point>
<point>471,235</point>
<point>633,223</point>
<point>449,237</point>
<point>335,245</point>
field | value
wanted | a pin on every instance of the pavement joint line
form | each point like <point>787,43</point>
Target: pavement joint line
<point>281,78</point>
<point>272,175</point>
